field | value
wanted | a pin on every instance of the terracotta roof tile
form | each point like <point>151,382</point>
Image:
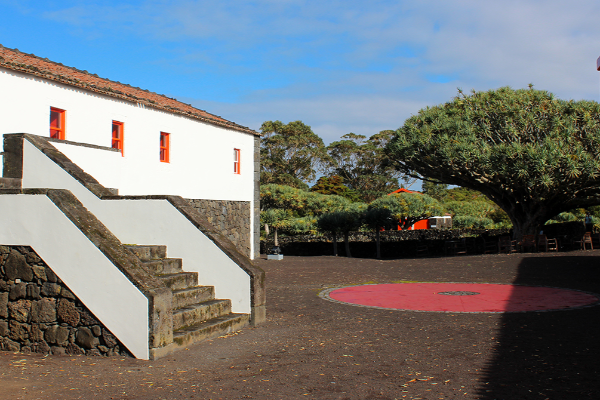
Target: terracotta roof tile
<point>15,60</point>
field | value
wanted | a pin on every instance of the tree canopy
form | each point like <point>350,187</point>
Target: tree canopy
<point>364,165</point>
<point>334,185</point>
<point>530,153</point>
<point>438,191</point>
<point>300,202</point>
<point>290,153</point>
<point>341,221</point>
<point>301,208</point>
<point>408,208</point>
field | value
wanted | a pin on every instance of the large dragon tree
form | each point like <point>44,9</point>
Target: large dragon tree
<point>530,153</point>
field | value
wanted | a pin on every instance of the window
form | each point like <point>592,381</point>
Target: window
<point>236,161</point>
<point>164,147</point>
<point>57,123</point>
<point>117,136</point>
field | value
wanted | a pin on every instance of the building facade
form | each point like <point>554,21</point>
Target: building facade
<point>126,217</point>
<point>166,147</point>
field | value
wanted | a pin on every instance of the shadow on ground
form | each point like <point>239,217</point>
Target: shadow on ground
<point>549,355</point>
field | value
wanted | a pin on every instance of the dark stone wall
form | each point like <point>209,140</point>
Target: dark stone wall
<point>38,313</point>
<point>394,244</point>
<point>231,218</point>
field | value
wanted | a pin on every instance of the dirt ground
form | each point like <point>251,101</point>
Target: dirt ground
<point>311,348</point>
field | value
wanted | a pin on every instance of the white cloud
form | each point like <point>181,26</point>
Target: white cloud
<point>329,117</point>
<point>357,66</point>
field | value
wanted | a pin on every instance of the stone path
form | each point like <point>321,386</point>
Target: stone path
<point>311,348</point>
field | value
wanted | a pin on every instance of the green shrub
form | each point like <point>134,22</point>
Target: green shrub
<point>471,222</point>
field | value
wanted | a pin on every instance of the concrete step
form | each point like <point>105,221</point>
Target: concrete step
<point>10,183</point>
<point>164,266</point>
<point>194,295</point>
<point>197,313</point>
<point>147,253</point>
<point>210,329</point>
<point>181,280</point>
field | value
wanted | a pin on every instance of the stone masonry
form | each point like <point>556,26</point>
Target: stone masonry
<point>230,218</point>
<point>38,313</point>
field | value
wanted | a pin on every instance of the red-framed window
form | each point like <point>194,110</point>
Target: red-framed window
<point>117,136</point>
<point>165,144</point>
<point>57,123</point>
<point>236,161</point>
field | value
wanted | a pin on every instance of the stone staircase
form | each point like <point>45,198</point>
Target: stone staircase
<point>197,315</point>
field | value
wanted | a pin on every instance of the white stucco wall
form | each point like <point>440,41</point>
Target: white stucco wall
<point>157,222</point>
<point>33,220</point>
<point>103,164</point>
<point>149,222</point>
<point>201,155</point>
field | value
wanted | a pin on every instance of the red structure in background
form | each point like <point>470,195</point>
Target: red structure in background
<point>422,224</point>
<point>402,190</point>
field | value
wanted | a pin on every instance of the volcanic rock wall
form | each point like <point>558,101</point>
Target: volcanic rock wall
<point>38,313</point>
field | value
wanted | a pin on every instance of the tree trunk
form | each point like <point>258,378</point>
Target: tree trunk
<point>275,233</point>
<point>266,230</point>
<point>335,252</point>
<point>347,244</point>
<point>378,243</point>
<point>527,216</point>
<point>527,223</point>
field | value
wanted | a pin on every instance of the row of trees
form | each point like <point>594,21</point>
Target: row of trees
<point>296,211</point>
<point>532,155</point>
<point>355,167</point>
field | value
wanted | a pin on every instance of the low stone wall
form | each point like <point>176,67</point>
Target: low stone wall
<point>38,313</point>
<point>394,244</point>
<point>565,230</point>
<point>231,218</point>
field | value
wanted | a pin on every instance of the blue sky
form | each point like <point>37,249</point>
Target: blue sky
<point>339,66</point>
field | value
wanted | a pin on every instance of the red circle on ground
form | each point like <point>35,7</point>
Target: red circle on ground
<point>462,297</point>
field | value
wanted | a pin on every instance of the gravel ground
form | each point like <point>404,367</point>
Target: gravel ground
<point>317,349</point>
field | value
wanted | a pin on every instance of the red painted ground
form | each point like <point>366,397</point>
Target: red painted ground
<point>462,297</point>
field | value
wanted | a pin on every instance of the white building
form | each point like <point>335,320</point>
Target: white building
<point>135,143</point>
<point>168,147</point>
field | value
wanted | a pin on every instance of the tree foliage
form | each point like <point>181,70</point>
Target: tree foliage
<point>334,185</point>
<point>578,214</point>
<point>364,165</point>
<point>408,208</point>
<point>290,153</point>
<point>378,219</point>
<point>464,194</point>
<point>300,202</point>
<point>438,191</point>
<point>472,222</point>
<point>474,208</point>
<point>302,208</point>
<point>480,213</point>
<point>340,222</point>
<point>529,152</point>
<point>275,218</point>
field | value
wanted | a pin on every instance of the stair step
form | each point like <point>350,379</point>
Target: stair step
<point>10,183</point>
<point>181,280</point>
<point>197,313</point>
<point>210,329</point>
<point>194,295</point>
<point>164,266</point>
<point>147,253</point>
